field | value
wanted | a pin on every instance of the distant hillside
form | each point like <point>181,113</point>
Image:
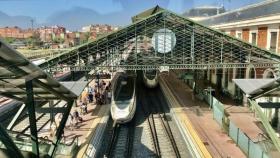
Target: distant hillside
<point>76,17</point>
<point>21,21</point>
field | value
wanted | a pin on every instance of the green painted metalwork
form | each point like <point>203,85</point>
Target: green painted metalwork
<point>32,117</point>
<point>12,149</point>
<point>197,47</point>
<point>60,129</point>
<point>266,124</point>
<point>146,13</point>
<point>19,112</point>
<point>252,149</point>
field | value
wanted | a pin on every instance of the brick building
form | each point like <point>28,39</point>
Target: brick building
<point>15,32</point>
<point>258,24</point>
<point>99,29</point>
<point>48,34</point>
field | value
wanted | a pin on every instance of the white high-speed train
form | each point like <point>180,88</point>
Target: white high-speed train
<point>150,78</point>
<point>123,104</point>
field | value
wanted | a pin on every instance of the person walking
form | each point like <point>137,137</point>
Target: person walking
<point>86,108</point>
<point>76,117</point>
<point>71,122</point>
<point>109,85</point>
<point>90,97</point>
<point>97,98</point>
<point>109,96</point>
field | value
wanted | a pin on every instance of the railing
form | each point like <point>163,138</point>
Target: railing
<point>251,149</point>
<point>24,144</point>
<point>266,124</point>
<point>68,149</point>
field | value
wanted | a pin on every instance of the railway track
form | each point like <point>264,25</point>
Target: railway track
<point>162,136</point>
<point>121,141</point>
<point>152,132</point>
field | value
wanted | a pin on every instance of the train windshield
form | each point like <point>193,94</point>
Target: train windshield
<point>151,74</point>
<point>125,87</point>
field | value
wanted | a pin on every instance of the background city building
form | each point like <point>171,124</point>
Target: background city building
<point>53,36</point>
<point>258,24</point>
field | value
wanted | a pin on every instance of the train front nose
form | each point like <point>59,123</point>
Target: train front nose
<point>121,114</point>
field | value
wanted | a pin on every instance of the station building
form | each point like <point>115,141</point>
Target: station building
<point>257,24</point>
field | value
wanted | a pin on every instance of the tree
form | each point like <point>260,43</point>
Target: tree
<point>9,40</point>
<point>34,41</point>
<point>86,37</point>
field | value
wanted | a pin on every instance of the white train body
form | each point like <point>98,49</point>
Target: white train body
<point>150,78</point>
<point>123,105</point>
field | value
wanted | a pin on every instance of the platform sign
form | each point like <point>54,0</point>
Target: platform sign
<point>164,68</point>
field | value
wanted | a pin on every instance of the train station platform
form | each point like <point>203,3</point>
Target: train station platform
<point>75,137</point>
<point>241,116</point>
<point>213,137</point>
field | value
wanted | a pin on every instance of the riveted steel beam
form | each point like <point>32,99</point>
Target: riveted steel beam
<point>32,117</point>
<point>12,149</point>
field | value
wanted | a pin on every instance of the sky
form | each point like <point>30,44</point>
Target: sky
<point>115,12</point>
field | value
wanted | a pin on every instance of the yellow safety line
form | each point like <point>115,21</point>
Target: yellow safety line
<point>90,134</point>
<point>184,118</point>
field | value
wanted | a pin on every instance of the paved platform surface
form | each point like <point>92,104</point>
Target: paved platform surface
<point>246,121</point>
<point>83,129</point>
<point>215,139</point>
<point>241,116</point>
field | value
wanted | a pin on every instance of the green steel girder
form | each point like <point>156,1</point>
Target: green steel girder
<point>36,81</point>
<point>269,105</point>
<point>60,129</point>
<point>32,117</point>
<point>19,112</point>
<point>12,149</point>
<point>270,131</point>
<point>197,47</point>
<point>51,110</point>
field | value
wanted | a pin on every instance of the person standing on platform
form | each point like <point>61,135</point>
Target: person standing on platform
<point>86,108</point>
<point>97,98</point>
<point>109,96</point>
<point>109,85</point>
<point>76,117</point>
<point>71,122</point>
<point>90,97</point>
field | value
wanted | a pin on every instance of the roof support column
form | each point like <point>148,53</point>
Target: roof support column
<point>222,50</point>
<point>164,41</point>
<point>192,44</point>
<point>32,117</point>
<point>51,105</point>
<point>60,128</point>
<point>135,34</point>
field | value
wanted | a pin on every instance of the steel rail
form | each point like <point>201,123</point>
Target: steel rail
<point>114,137</point>
<point>152,127</point>
<point>168,131</point>
<point>130,138</point>
<point>165,124</point>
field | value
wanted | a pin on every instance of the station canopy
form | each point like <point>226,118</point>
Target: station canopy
<point>158,39</point>
<point>256,88</point>
<point>16,71</point>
